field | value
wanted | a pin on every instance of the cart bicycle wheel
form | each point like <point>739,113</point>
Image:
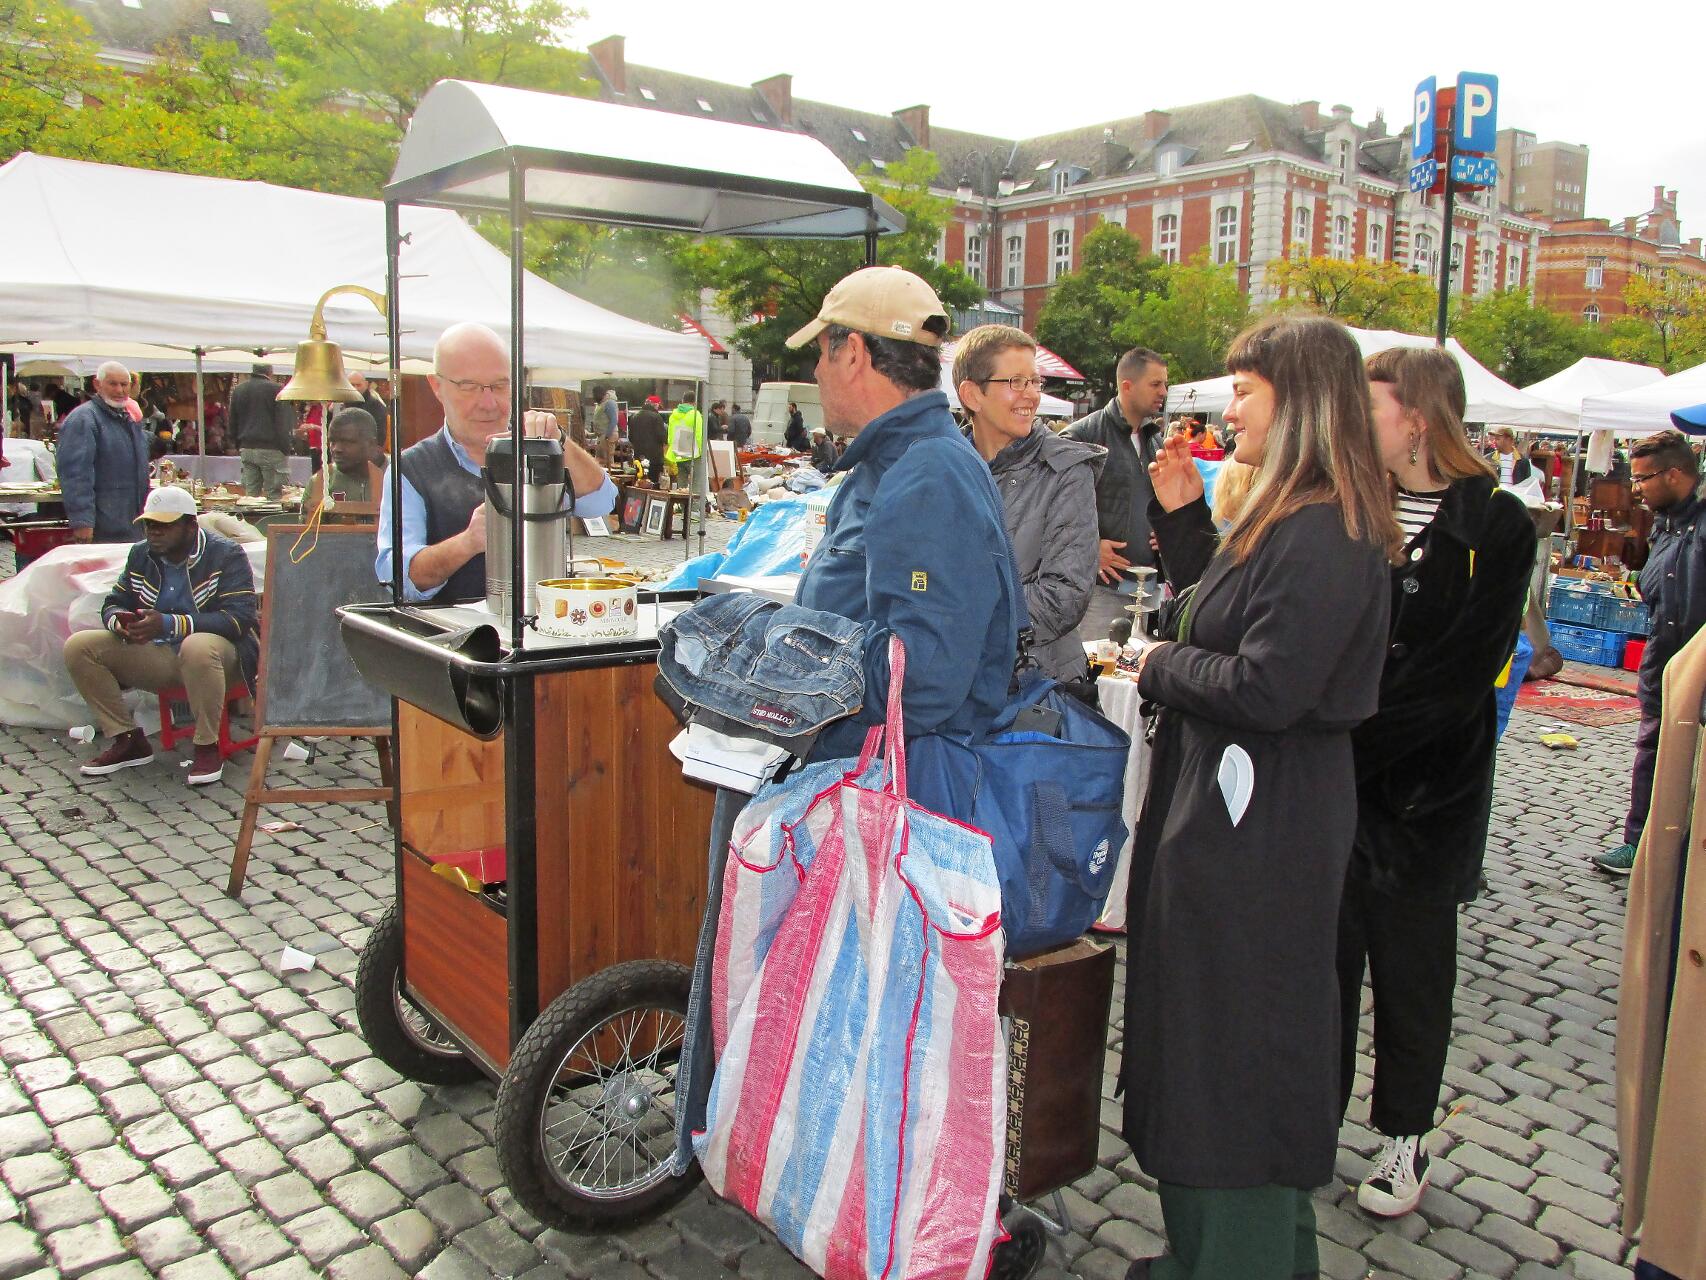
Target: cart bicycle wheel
<point>1017,1257</point>
<point>585,1125</point>
<point>401,1034</point>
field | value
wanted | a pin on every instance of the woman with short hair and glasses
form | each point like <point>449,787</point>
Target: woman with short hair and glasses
<point>1047,485</point>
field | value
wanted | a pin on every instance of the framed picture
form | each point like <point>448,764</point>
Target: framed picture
<point>596,527</point>
<point>657,512</point>
<point>633,512</point>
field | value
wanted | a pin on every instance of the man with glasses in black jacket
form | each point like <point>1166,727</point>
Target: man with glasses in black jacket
<point>1665,474</point>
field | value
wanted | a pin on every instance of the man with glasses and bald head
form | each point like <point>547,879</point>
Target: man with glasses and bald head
<point>1665,474</point>
<point>444,524</point>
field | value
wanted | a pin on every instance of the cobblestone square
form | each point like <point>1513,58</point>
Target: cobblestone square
<point>173,1104</point>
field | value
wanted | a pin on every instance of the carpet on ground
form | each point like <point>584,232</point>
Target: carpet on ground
<point>1577,704</point>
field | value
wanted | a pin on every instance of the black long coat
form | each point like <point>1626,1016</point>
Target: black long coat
<point>1231,1029</point>
<point>1425,759</point>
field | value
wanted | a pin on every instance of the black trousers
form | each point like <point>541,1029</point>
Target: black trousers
<point>1410,951</point>
<point>1641,776</point>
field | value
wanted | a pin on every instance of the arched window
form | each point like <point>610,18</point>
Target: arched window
<point>1590,313</point>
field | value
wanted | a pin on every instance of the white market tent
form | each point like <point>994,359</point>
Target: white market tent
<point>1588,378</point>
<point>191,263</point>
<point>1646,409</point>
<point>1491,399</point>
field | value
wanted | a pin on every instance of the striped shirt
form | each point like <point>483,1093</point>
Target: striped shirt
<point>1416,511</point>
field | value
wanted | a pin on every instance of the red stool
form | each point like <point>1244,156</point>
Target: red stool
<point>170,733</point>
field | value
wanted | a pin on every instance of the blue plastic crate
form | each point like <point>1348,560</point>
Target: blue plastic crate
<point>1614,613</point>
<point>1573,604</point>
<point>1588,644</point>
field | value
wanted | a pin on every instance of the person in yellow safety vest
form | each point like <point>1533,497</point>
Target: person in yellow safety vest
<point>683,449</point>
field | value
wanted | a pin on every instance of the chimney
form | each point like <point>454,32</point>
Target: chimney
<point>1309,114</point>
<point>916,122</point>
<point>1114,153</point>
<point>612,62</point>
<point>1693,246</point>
<point>1156,124</point>
<point>778,94</point>
<point>1377,126</point>
<point>1341,114</point>
<point>1629,225</point>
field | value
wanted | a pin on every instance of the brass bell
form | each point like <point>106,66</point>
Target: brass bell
<point>320,363</point>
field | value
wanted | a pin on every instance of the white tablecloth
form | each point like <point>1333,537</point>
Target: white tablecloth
<point>226,470</point>
<point>1120,704</point>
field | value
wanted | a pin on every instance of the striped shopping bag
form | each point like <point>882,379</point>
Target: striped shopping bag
<point>859,1099</point>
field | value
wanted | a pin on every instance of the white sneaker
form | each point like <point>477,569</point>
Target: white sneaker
<point>1395,1184</point>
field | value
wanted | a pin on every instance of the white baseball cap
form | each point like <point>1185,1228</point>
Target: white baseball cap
<point>886,302</point>
<point>167,504</point>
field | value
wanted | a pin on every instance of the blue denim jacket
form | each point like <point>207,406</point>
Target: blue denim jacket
<point>779,669</point>
<point>915,543</point>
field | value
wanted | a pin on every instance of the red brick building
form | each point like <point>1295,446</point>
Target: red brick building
<point>1243,178</point>
<point>1586,263</point>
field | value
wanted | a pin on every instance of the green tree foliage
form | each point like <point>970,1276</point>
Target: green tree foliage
<point>47,58</point>
<point>784,281</point>
<point>1360,292</point>
<point>1190,316</point>
<point>1517,340</point>
<point>1669,332</point>
<point>1077,321</point>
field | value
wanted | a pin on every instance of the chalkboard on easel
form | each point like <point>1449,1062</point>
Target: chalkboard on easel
<point>308,683</point>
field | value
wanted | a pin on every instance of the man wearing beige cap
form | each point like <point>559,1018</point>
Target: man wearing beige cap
<point>182,614</point>
<point>914,540</point>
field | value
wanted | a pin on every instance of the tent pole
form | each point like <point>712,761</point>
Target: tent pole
<point>1576,473</point>
<point>394,355</point>
<point>518,403</point>
<point>200,422</point>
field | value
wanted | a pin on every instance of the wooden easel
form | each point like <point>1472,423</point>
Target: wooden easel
<point>308,591</point>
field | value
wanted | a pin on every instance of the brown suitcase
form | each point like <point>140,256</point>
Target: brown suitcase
<point>1057,1007</point>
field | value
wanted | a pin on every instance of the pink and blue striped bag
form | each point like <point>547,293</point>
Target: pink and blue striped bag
<point>859,1101</point>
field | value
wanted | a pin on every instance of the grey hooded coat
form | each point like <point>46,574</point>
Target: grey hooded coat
<point>1047,484</point>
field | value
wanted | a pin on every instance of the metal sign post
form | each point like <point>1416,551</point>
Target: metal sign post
<point>1451,140</point>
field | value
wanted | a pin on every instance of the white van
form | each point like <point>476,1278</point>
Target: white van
<point>770,411</point>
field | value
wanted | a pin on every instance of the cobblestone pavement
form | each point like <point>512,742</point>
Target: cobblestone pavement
<point>172,1104</point>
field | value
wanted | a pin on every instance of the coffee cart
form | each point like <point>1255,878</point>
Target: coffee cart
<point>541,764</point>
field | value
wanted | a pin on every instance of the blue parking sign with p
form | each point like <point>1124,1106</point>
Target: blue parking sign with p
<point>1477,113</point>
<point>1422,130</point>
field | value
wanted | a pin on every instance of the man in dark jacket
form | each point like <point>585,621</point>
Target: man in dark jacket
<point>646,432</point>
<point>265,430</point>
<point>740,427</point>
<point>1129,427</point>
<point>1665,474</point>
<point>103,462</point>
<point>1513,467</point>
<point>913,539</point>
<point>181,614</point>
<point>376,408</point>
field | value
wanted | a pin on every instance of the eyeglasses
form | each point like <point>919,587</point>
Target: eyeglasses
<point>469,387</point>
<point>1651,475</point>
<point>1016,385</point>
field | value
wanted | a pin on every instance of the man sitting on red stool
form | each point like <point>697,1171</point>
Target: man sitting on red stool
<point>182,613</point>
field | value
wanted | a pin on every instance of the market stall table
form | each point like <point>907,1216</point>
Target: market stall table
<point>224,469</point>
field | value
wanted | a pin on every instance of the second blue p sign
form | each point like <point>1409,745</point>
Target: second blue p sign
<point>1477,113</point>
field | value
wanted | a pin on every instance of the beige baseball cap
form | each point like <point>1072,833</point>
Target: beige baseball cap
<point>885,302</point>
<point>166,504</point>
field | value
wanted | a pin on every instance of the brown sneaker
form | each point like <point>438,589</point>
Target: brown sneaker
<point>206,766</point>
<point>124,752</point>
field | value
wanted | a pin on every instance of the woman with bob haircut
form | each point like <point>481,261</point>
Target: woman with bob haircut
<point>1047,484</point>
<point>1424,760</point>
<point>1230,1071</point>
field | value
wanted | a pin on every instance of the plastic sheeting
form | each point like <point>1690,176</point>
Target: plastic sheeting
<point>777,538</point>
<point>40,607</point>
<point>859,1102</point>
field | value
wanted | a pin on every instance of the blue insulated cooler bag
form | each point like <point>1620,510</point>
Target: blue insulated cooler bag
<point>1050,798</point>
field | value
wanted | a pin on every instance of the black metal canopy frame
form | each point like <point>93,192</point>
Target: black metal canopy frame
<point>485,148</point>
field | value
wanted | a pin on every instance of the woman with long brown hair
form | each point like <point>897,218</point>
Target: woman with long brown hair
<point>1230,1070</point>
<point>1425,759</point>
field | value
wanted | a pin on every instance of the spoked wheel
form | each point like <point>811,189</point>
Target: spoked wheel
<point>585,1126</point>
<point>1022,1253</point>
<point>402,1035</point>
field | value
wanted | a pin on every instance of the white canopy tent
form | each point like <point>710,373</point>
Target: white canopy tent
<point>1491,399</point>
<point>1588,378</point>
<point>1645,409</point>
<point>201,263</point>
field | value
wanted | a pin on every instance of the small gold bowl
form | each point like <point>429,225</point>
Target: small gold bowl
<point>586,584</point>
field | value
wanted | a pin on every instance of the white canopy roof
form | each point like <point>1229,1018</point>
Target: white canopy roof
<point>602,162</point>
<point>1645,409</point>
<point>1588,378</point>
<point>1491,399</point>
<point>103,254</point>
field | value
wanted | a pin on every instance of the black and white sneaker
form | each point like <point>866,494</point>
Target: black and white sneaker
<point>1395,1184</point>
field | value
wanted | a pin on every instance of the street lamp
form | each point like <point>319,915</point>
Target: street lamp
<point>986,189</point>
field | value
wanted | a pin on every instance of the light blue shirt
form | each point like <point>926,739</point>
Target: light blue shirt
<point>600,502</point>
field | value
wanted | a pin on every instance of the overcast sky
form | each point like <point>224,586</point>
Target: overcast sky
<point>1019,70</point>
